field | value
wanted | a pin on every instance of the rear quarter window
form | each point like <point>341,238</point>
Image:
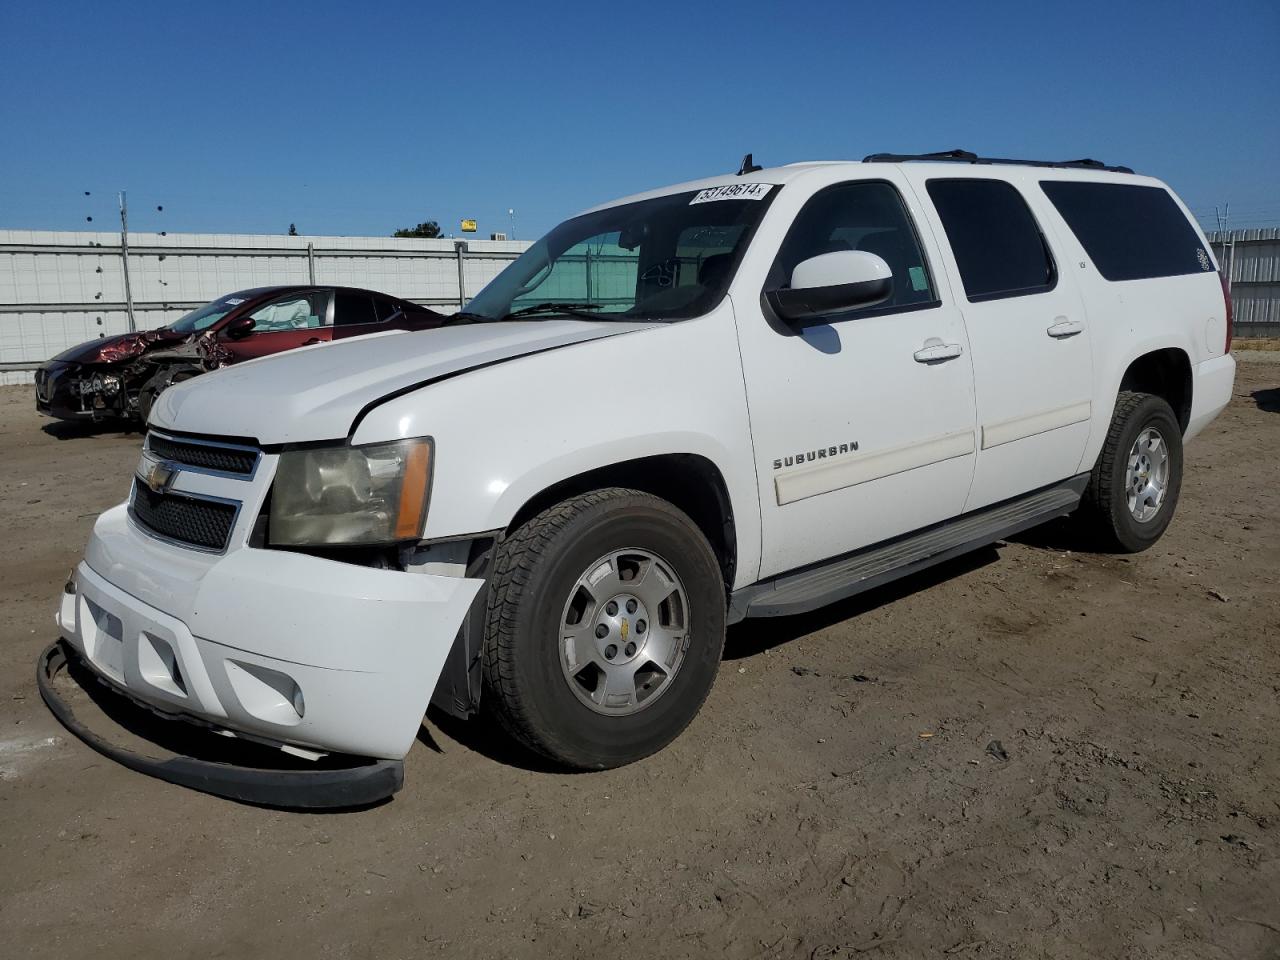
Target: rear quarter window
<point>1129,231</point>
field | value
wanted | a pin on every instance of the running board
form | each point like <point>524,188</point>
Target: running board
<point>843,577</point>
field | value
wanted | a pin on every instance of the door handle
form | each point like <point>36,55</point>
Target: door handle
<point>307,343</point>
<point>1062,328</point>
<point>935,351</point>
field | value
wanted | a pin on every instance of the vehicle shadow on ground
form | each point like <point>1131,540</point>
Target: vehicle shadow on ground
<point>483,735</point>
<point>746,639</point>
<point>1063,534</point>
<point>83,429</point>
<point>1268,400</point>
<point>752,637</point>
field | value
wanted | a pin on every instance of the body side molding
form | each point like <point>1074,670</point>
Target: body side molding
<point>1019,428</point>
<point>836,473</point>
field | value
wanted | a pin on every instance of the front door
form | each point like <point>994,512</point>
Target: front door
<point>290,320</point>
<point>863,426</point>
<point>1032,364</point>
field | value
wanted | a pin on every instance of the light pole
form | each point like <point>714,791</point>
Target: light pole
<point>511,212</point>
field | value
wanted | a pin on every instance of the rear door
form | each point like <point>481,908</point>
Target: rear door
<point>356,314</point>
<point>1028,332</point>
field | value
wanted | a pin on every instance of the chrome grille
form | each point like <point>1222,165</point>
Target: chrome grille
<point>206,455</point>
<point>194,521</point>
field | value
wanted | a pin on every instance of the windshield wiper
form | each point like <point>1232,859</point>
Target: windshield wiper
<point>466,316</point>
<point>572,309</point>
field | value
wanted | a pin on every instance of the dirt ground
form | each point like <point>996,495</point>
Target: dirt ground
<point>1033,752</point>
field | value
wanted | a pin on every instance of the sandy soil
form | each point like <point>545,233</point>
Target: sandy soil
<point>1034,752</point>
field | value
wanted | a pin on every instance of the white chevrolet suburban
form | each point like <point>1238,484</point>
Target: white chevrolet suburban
<point>745,396</point>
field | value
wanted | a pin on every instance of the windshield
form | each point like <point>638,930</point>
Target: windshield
<point>202,318</point>
<point>669,258</point>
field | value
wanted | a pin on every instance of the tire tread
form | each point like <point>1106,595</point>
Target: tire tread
<point>513,566</point>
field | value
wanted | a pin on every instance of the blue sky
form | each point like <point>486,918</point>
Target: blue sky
<point>351,118</point>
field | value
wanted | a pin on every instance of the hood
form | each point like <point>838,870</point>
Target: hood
<point>122,346</point>
<point>316,393</point>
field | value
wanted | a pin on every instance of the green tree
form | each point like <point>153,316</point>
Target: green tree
<point>430,230</point>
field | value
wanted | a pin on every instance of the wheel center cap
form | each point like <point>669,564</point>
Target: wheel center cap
<point>622,624</point>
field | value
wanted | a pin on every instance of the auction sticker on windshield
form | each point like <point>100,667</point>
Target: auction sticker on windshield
<point>733,191</point>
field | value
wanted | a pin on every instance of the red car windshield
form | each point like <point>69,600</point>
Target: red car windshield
<point>202,318</point>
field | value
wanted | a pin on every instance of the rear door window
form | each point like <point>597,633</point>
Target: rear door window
<point>994,237</point>
<point>351,309</point>
<point>1129,231</point>
<point>386,308</point>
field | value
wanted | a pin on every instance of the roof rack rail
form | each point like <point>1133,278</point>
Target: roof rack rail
<point>964,156</point>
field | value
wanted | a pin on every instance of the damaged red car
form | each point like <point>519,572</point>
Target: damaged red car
<point>119,377</point>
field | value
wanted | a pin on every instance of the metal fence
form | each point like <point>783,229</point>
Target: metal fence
<point>59,289</point>
<point>1251,259</point>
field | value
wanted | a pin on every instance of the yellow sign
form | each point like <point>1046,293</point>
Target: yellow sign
<point>468,226</point>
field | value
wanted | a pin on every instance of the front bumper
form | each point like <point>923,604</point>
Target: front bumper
<point>280,647</point>
<point>58,393</point>
<point>325,787</point>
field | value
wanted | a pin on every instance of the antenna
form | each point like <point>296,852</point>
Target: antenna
<point>748,166</point>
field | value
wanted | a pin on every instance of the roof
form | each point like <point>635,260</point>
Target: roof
<point>864,169</point>
<point>254,293</point>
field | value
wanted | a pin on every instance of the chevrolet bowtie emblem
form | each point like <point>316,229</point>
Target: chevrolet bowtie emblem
<point>157,474</point>
<point>625,629</point>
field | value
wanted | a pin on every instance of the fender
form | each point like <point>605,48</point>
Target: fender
<point>506,433</point>
<point>1109,371</point>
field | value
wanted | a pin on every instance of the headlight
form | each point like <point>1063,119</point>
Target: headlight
<point>340,495</point>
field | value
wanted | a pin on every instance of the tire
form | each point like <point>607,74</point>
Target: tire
<point>146,400</point>
<point>1107,506</point>
<point>560,705</point>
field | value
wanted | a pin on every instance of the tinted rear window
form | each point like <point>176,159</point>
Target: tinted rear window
<point>996,241</point>
<point>1130,232</point>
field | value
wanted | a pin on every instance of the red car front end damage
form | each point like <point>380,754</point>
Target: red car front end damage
<point>120,377</point>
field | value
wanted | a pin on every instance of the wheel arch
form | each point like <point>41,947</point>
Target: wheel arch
<point>1166,373</point>
<point>689,481</point>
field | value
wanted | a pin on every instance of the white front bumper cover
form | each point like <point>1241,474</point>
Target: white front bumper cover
<point>284,647</point>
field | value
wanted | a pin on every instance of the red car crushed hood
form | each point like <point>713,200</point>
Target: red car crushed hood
<point>122,346</point>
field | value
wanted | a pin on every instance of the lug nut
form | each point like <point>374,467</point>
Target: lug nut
<point>610,652</point>
<point>611,609</point>
<point>631,606</point>
<point>630,649</point>
<point>601,631</point>
<point>641,626</point>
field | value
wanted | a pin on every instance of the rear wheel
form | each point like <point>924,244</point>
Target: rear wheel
<point>605,628</point>
<point>1133,489</point>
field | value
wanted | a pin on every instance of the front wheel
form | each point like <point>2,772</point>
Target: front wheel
<point>605,628</point>
<point>1134,486</point>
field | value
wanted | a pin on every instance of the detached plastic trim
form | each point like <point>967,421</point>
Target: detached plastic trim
<point>357,786</point>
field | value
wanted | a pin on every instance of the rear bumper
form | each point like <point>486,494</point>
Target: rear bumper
<point>281,647</point>
<point>1211,388</point>
<point>348,786</point>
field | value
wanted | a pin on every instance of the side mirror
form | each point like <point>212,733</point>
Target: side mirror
<point>241,327</point>
<point>832,283</point>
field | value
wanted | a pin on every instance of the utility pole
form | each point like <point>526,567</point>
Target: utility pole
<point>124,257</point>
<point>1228,243</point>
